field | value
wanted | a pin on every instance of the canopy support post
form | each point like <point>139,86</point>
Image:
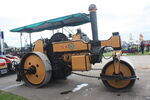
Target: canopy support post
<point>30,38</point>
<point>62,30</point>
<point>53,32</point>
<point>30,41</point>
<point>21,41</point>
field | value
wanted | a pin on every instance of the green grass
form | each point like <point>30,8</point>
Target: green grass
<point>136,54</point>
<point>108,53</point>
<point>9,96</point>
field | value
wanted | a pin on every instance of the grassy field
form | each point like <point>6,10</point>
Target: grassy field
<point>9,96</point>
<point>138,54</point>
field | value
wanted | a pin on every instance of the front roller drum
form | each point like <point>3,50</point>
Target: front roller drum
<point>37,69</point>
<point>119,85</point>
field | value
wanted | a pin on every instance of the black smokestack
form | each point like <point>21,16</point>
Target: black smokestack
<point>93,18</point>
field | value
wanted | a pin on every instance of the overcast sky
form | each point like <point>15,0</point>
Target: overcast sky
<point>122,16</point>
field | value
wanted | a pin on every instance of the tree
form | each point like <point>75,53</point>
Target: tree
<point>5,45</point>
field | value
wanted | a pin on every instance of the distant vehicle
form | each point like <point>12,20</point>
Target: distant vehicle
<point>147,43</point>
<point>3,67</point>
<point>7,63</point>
<point>126,48</point>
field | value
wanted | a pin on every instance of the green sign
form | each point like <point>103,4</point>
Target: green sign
<point>71,46</point>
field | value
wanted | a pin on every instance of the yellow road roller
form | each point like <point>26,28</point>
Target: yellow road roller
<point>61,55</point>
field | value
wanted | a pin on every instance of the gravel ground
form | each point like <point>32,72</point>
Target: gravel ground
<point>95,90</point>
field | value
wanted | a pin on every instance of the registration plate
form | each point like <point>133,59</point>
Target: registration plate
<point>3,71</point>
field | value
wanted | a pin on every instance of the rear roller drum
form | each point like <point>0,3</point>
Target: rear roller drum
<point>118,85</point>
<point>37,69</point>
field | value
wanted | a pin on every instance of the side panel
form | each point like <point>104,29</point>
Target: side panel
<point>88,63</point>
<point>80,45</point>
<point>39,46</point>
<point>76,37</point>
<point>114,42</point>
<point>81,63</point>
<point>69,46</point>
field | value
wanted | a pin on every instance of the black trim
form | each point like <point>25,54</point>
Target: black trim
<point>100,43</point>
<point>96,52</point>
<point>115,33</point>
<point>117,77</point>
<point>119,48</point>
<point>69,41</point>
<point>95,43</point>
<point>85,62</point>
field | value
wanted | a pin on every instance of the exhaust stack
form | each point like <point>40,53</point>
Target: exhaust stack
<point>93,18</point>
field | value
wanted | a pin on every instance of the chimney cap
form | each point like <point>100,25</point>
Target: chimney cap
<point>92,7</point>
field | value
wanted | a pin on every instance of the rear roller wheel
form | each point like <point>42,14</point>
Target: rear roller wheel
<point>37,69</point>
<point>118,85</point>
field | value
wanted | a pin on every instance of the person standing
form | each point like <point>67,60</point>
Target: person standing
<point>142,46</point>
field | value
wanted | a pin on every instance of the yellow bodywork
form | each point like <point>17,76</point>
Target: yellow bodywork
<point>81,63</point>
<point>39,46</point>
<point>40,70</point>
<point>114,42</point>
<point>68,46</point>
<point>76,37</point>
<point>80,45</point>
<point>125,71</point>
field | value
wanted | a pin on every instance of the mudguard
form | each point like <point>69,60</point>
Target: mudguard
<point>123,59</point>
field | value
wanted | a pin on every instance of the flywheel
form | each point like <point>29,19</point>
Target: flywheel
<point>125,71</point>
<point>37,69</point>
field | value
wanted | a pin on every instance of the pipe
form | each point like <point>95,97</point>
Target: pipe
<point>93,18</point>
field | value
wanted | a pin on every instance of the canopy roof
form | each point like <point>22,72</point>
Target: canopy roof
<point>70,20</point>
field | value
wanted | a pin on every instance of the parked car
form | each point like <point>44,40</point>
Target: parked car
<point>7,63</point>
<point>3,67</point>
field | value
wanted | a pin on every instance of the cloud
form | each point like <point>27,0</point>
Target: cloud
<point>122,16</point>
